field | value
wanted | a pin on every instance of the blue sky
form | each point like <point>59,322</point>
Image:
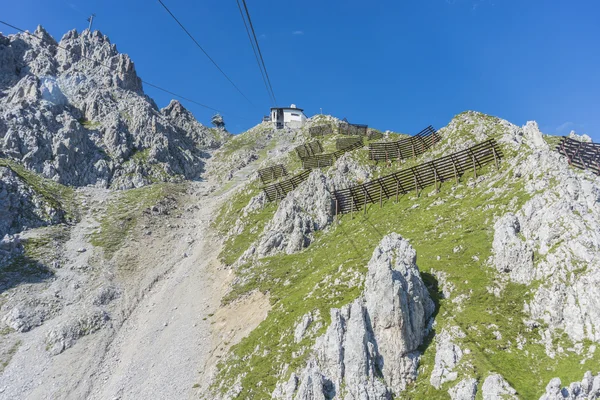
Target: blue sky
<point>398,65</point>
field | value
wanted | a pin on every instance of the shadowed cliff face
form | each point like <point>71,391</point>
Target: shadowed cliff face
<point>77,114</point>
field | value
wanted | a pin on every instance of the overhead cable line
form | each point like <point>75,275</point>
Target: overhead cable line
<point>256,54</point>
<point>111,68</point>
<point>204,51</point>
<point>258,47</point>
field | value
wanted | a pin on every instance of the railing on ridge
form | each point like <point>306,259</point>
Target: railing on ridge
<point>580,154</point>
<point>415,178</point>
<point>345,128</point>
<point>279,190</point>
<point>412,146</point>
<point>309,149</point>
<point>320,130</point>
<point>345,142</point>
<point>272,173</point>
<point>327,160</point>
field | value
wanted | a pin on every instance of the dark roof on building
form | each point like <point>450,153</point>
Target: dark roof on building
<point>287,108</point>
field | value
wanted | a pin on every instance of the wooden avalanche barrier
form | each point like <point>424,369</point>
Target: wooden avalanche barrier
<point>345,128</point>
<point>320,130</point>
<point>418,177</point>
<point>412,146</point>
<point>580,154</point>
<point>270,174</point>
<point>341,144</point>
<point>327,160</point>
<point>279,190</point>
<point>309,149</point>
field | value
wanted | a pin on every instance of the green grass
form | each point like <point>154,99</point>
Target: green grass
<point>302,282</point>
<point>59,197</point>
<point>89,124</point>
<point>124,212</point>
<point>552,140</point>
<point>11,352</point>
<point>324,276</point>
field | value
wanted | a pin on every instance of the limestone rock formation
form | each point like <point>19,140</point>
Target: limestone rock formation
<point>495,387</point>
<point>587,389</point>
<point>447,357</point>
<point>308,209</point>
<point>77,114</point>
<point>22,207</point>
<point>369,350</point>
<point>464,390</point>
<point>302,212</point>
<point>561,224</point>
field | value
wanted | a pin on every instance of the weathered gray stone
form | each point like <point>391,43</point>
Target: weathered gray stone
<point>561,223</point>
<point>21,206</point>
<point>302,212</point>
<point>512,254</point>
<point>464,390</point>
<point>495,387</point>
<point>587,389</point>
<point>369,350</point>
<point>64,335</point>
<point>447,357</point>
<point>64,114</point>
<point>28,314</point>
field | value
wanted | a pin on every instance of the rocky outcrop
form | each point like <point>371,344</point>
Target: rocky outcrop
<point>513,255</point>
<point>555,239</point>
<point>495,387</point>
<point>300,213</point>
<point>64,335</point>
<point>447,357</point>
<point>369,350</point>
<point>22,207</point>
<point>464,390</point>
<point>308,209</point>
<point>588,388</point>
<point>10,246</point>
<point>77,114</point>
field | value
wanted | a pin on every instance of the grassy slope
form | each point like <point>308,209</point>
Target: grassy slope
<point>452,232</point>
<point>58,196</point>
<point>124,211</point>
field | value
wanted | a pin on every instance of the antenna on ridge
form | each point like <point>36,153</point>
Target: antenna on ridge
<point>91,21</point>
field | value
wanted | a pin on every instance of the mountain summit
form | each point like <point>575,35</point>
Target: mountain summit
<point>75,111</point>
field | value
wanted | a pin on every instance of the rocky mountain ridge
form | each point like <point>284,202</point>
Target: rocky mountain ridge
<point>75,112</point>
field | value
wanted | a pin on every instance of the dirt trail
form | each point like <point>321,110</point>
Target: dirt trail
<point>164,338</point>
<point>162,349</point>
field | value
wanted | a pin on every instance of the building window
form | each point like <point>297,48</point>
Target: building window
<point>295,115</point>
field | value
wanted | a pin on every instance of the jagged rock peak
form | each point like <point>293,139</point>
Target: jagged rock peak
<point>369,350</point>
<point>174,109</point>
<point>77,114</point>
<point>42,33</point>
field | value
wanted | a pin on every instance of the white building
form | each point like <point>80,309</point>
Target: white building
<point>291,117</point>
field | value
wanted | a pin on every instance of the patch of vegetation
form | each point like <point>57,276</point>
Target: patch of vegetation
<point>124,212</point>
<point>140,156</point>
<point>255,223</point>
<point>89,124</point>
<point>552,140</point>
<point>11,352</point>
<point>59,197</point>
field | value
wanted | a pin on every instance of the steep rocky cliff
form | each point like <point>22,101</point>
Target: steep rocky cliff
<point>75,112</point>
